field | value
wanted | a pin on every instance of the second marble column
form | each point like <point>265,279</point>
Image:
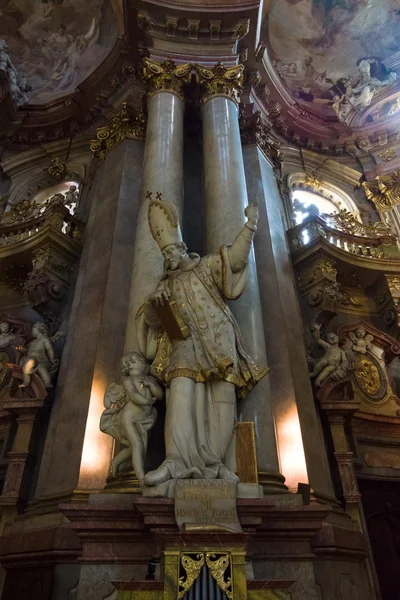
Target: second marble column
<point>225,201</point>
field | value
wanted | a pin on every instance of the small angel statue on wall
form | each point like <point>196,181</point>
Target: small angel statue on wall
<point>40,356</point>
<point>130,413</point>
<point>334,362</point>
<point>361,340</point>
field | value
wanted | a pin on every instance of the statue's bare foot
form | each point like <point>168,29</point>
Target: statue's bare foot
<point>227,475</point>
<point>114,468</point>
<point>158,476</point>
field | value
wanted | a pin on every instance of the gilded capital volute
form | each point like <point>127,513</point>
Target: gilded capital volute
<point>220,81</point>
<point>122,125</point>
<point>165,77</point>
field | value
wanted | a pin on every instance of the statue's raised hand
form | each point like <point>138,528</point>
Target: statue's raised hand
<point>251,212</point>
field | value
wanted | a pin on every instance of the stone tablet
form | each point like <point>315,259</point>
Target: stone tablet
<point>206,504</point>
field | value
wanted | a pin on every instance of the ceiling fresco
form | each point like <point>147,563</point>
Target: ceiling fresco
<point>335,56</point>
<point>53,45</point>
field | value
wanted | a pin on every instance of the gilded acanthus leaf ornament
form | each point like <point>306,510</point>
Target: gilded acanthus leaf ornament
<point>165,77</point>
<point>345,221</point>
<point>218,567</point>
<point>384,190</point>
<point>122,125</point>
<point>57,168</point>
<point>192,567</point>
<point>220,81</point>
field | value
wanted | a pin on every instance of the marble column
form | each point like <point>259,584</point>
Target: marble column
<point>300,442</point>
<point>162,173</point>
<point>225,201</point>
<point>76,453</point>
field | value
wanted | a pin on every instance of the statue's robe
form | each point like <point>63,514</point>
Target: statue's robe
<point>203,373</point>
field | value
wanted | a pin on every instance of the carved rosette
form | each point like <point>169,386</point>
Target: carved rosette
<point>384,191</point>
<point>255,130</point>
<point>220,81</point>
<point>165,77</point>
<point>122,125</point>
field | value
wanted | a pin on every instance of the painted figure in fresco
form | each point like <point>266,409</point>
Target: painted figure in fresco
<point>6,334</point>
<point>204,367</point>
<point>17,87</point>
<point>40,356</point>
<point>334,362</point>
<point>363,88</point>
<point>130,413</point>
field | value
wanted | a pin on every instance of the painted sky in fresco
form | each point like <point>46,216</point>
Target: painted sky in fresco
<point>56,44</point>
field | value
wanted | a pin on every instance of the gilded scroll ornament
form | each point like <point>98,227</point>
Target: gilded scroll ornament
<point>218,567</point>
<point>346,222</point>
<point>220,81</point>
<point>312,180</point>
<point>57,168</point>
<point>165,77</point>
<point>192,568</point>
<point>122,125</point>
<point>384,190</point>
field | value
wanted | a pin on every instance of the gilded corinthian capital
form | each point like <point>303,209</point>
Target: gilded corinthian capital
<point>384,190</point>
<point>165,77</point>
<point>220,81</point>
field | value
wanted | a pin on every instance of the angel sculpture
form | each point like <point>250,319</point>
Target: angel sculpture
<point>334,362</point>
<point>130,413</point>
<point>361,340</point>
<point>40,356</point>
<point>6,334</point>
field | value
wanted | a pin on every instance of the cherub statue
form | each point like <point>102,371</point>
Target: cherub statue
<point>71,197</point>
<point>40,356</point>
<point>130,413</point>
<point>361,341</point>
<point>333,363</point>
<point>6,334</point>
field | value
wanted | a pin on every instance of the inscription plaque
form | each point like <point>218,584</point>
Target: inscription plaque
<point>206,504</point>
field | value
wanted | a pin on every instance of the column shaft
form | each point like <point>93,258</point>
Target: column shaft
<point>225,201</point>
<point>162,172</point>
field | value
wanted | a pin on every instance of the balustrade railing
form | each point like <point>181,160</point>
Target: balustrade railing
<point>26,220</point>
<point>345,232</point>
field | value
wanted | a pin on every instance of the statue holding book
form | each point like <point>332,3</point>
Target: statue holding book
<point>189,333</point>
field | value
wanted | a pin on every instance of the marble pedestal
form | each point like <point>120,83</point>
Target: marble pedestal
<point>167,490</point>
<point>115,537</point>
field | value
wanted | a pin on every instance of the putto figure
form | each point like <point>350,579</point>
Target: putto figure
<point>186,328</point>
<point>130,412</point>
<point>40,356</point>
<point>334,362</point>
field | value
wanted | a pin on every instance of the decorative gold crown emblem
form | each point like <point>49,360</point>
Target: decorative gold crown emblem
<point>163,221</point>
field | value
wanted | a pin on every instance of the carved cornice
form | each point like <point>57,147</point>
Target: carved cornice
<point>164,77</point>
<point>384,190</point>
<point>255,130</point>
<point>220,81</point>
<point>122,125</point>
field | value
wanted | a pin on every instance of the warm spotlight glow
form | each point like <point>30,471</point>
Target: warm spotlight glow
<point>291,451</point>
<point>97,447</point>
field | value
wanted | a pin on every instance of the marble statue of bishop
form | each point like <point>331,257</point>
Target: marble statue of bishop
<point>205,371</point>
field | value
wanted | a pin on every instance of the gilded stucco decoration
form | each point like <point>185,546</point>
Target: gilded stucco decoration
<point>192,566</point>
<point>218,567</point>
<point>122,125</point>
<point>220,81</point>
<point>384,190</point>
<point>165,77</point>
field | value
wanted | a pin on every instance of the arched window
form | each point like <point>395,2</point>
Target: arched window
<point>313,196</point>
<point>307,203</point>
